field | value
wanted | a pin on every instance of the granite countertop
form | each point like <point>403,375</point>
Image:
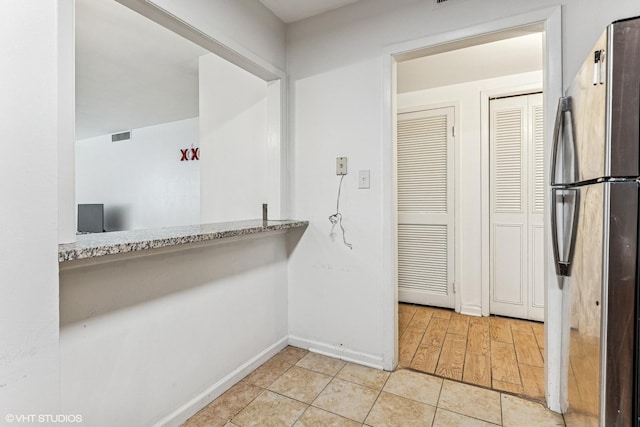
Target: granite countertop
<point>119,242</point>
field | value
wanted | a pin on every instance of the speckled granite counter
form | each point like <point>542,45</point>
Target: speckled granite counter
<point>120,242</point>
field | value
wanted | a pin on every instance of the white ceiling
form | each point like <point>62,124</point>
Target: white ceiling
<point>130,71</point>
<point>295,10</point>
<point>499,58</point>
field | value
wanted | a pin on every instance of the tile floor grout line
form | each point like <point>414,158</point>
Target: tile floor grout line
<point>501,412</point>
<point>439,395</point>
<point>371,409</point>
<point>376,399</point>
<point>264,389</point>
<point>466,415</point>
<point>341,379</point>
<point>243,408</point>
<point>324,388</point>
<point>300,416</point>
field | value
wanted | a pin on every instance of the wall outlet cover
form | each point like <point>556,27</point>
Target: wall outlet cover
<point>364,180</point>
<point>341,165</point>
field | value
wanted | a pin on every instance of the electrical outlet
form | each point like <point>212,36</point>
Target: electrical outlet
<point>341,165</point>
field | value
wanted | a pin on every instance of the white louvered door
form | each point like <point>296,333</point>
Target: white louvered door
<point>517,206</point>
<point>426,207</point>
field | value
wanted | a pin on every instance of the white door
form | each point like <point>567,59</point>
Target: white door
<point>425,160</point>
<point>517,206</point>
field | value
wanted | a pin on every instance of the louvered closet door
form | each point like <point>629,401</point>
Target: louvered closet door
<point>425,207</point>
<point>517,206</point>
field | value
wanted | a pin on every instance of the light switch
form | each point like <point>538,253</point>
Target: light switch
<point>341,165</point>
<point>363,179</point>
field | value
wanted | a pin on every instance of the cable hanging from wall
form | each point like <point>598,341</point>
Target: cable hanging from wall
<point>336,218</point>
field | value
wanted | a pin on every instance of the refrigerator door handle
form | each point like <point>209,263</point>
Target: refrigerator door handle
<point>564,106</point>
<point>563,256</point>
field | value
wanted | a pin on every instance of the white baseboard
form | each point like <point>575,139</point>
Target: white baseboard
<point>180,415</point>
<point>471,310</point>
<point>338,352</point>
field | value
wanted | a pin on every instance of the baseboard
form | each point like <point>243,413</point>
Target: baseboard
<point>338,352</point>
<point>180,415</point>
<point>471,310</point>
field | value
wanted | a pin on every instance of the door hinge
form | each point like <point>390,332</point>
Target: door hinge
<point>454,287</point>
<point>453,131</point>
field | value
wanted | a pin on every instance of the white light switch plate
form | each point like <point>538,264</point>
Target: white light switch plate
<point>364,179</point>
<point>341,165</point>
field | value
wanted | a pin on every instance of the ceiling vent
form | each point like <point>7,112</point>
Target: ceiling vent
<point>441,3</point>
<point>120,137</point>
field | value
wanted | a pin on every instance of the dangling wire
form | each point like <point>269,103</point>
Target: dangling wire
<point>336,218</point>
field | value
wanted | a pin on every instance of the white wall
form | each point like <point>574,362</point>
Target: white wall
<point>468,171</point>
<point>33,105</point>
<point>142,182</point>
<point>246,25</point>
<point>335,293</point>
<point>29,208</point>
<point>154,339</point>
<point>337,93</point>
<point>233,141</point>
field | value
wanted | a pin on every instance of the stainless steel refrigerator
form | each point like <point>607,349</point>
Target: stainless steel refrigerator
<point>595,213</point>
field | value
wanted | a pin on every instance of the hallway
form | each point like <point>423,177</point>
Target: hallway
<point>493,352</point>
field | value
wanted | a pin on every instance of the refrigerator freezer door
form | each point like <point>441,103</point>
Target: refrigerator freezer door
<point>588,112</point>
<point>604,102</point>
<point>624,99</point>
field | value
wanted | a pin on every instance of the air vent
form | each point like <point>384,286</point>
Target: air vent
<point>442,3</point>
<point>122,136</point>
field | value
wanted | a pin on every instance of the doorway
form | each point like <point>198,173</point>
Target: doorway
<point>492,352</point>
<point>550,21</point>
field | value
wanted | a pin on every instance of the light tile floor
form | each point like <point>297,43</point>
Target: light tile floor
<point>298,388</point>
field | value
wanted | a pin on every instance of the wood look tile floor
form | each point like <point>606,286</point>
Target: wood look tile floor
<point>298,388</point>
<point>494,352</point>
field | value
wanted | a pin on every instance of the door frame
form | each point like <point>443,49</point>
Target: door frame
<point>485,179</point>
<point>551,20</point>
